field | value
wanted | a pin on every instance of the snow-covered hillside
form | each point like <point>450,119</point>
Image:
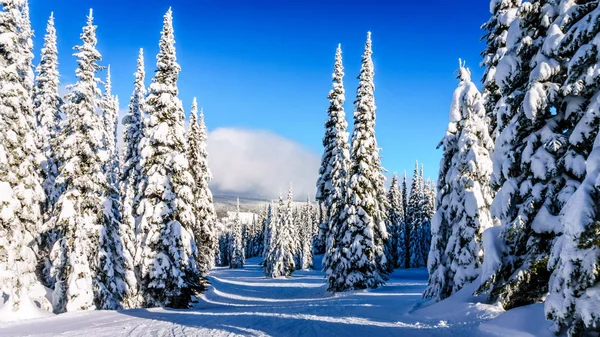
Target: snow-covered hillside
<point>244,302</point>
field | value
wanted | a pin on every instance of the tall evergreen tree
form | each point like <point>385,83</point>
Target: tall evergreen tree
<point>456,252</point>
<point>130,177</point>
<point>306,236</point>
<point>110,112</point>
<point>405,244</point>
<point>22,193</point>
<point>280,259</point>
<point>269,232</point>
<point>362,233</point>
<point>503,13</point>
<point>334,163</point>
<point>236,247</point>
<point>574,257</point>
<point>46,105</point>
<point>87,260</point>
<point>414,219</point>
<point>46,108</point>
<point>169,273</point>
<point>396,225</point>
<point>206,209</point>
<point>527,159</point>
<point>204,228</point>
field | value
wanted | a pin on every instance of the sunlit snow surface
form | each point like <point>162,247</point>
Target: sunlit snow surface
<point>244,302</point>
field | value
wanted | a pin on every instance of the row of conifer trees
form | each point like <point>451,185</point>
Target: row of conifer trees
<point>365,231</point>
<point>518,190</point>
<point>101,231</point>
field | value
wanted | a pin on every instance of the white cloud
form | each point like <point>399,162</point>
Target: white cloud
<point>259,163</point>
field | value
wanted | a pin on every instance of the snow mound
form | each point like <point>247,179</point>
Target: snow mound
<point>27,310</point>
<point>527,321</point>
<point>461,307</point>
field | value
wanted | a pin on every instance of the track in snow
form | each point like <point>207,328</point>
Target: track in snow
<point>244,302</point>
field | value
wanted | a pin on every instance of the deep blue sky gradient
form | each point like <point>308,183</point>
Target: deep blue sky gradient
<point>267,64</point>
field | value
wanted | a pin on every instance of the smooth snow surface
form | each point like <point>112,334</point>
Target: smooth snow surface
<point>244,302</point>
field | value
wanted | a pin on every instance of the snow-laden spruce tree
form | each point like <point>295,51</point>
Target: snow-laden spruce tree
<point>306,237</point>
<point>46,107</point>
<point>404,244</point>
<point>269,232</point>
<point>129,180</point>
<point>110,112</point>
<point>87,258</point>
<point>167,248</point>
<point>496,32</point>
<point>576,31</point>
<point>527,159</point>
<point>204,227</point>
<point>280,258</point>
<point>236,246</point>
<point>362,233</point>
<point>427,212</point>
<point>334,163</point>
<point>414,219</point>
<point>396,224</point>
<point>22,192</point>
<point>572,301</point>
<point>463,214</point>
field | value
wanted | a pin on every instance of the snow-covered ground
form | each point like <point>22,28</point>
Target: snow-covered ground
<point>244,302</point>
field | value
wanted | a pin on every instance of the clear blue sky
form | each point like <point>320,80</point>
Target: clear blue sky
<point>267,64</point>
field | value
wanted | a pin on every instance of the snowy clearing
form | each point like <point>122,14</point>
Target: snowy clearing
<point>244,302</point>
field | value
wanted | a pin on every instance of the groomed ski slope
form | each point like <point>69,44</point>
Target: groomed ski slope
<point>244,302</point>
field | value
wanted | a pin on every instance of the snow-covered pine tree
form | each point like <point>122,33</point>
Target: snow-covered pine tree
<point>527,160</point>
<point>463,215</point>
<point>236,247</point>
<point>296,235</point>
<point>574,256</point>
<point>206,209</point>
<point>306,256</point>
<point>204,227</point>
<point>572,302</point>
<point>268,232</point>
<point>396,224</point>
<point>503,13</point>
<point>426,213</point>
<point>405,243</point>
<point>168,269</point>
<point>414,219</point>
<point>130,176</point>
<point>334,163</point>
<point>439,283</point>
<point>362,234</point>
<point>46,107</point>
<point>260,238</point>
<point>110,113</point>
<point>87,258</point>
<point>280,259</point>
<point>22,192</point>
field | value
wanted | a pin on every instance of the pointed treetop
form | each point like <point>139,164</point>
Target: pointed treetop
<point>194,112</point>
<point>140,60</point>
<point>90,17</point>
<point>464,74</point>
<point>238,199</point>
